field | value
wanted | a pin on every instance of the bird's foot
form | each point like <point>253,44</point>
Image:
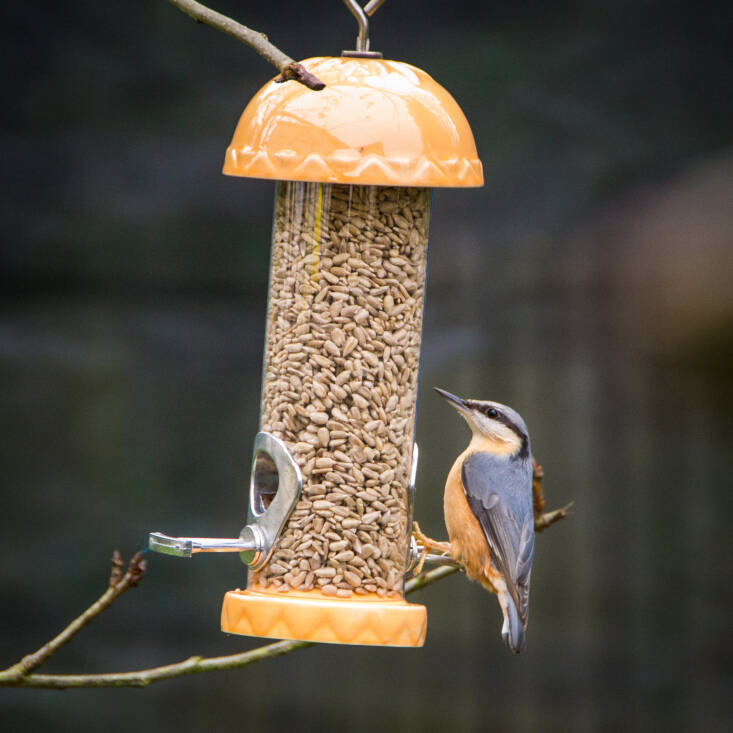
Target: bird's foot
<point>427,544</point>
<point>543,521</point>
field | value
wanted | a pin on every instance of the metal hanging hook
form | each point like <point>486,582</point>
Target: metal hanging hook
<point>362,40</point>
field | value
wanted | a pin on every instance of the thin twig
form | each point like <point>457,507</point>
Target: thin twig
<point>288,68</point>
<point>144,677</point>
<point>542,519</point>
<point>429,577</point>
<point>545,520</point>
<point>117,586</point>
<point>192,665</point>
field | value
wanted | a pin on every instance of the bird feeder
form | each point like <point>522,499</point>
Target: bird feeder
<point>327,538</point>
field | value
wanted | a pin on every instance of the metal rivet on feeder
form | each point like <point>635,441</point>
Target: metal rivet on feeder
<point>330,509</point>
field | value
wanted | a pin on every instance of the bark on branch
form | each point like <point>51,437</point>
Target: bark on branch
<point>288,68</point>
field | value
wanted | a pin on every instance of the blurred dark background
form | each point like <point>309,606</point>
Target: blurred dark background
<point>587,284</point>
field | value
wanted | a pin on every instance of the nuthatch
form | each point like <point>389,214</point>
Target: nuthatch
<point>488,509</point>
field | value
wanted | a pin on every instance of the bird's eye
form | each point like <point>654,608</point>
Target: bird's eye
<point>492,412</point>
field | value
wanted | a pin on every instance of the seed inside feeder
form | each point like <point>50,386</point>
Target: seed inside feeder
<point>340,379</point>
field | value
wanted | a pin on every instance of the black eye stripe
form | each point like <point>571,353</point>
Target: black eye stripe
<point>488,410</point>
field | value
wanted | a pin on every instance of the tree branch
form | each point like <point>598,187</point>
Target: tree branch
<point>192,665</point>
<point>19,674</point>
<point>118,584</point>
<point>288,68</point>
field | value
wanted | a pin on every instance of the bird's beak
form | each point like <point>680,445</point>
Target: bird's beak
<point>451,399</point>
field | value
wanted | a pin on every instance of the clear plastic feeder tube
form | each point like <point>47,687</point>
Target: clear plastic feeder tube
<point>340,379</point>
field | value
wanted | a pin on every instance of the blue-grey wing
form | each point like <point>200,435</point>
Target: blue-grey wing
<point>499,492</point>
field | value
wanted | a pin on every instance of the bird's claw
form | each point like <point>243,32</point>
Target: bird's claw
<point>420,538</point>
<point>421,561</point>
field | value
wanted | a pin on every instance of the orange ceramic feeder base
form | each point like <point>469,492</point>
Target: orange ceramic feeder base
<point>311,616</point>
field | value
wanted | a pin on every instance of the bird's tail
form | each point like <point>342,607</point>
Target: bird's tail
<point>513,633</point>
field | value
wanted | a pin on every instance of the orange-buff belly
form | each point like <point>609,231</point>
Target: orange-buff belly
<point>467,541</point>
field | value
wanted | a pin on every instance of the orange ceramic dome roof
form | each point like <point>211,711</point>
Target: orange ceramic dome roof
<point>377,122</point>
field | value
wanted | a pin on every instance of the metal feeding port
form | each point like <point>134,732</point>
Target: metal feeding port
<point>275,486</point>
